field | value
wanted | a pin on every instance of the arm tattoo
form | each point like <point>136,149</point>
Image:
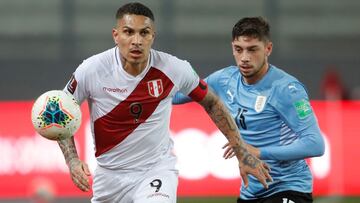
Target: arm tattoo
<point>68,149</point>
<point>226,124</point>
<point>218,113</point>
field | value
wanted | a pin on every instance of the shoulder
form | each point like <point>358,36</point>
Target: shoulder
<point>287,88</point>
<point>99,62</point>
<point>162,59</point>
<point>176,69</point>
<point>105,58</point>
<point>227,71</point>
<point>224,75</point>
<point>284,82</point>
<point>223,80</point>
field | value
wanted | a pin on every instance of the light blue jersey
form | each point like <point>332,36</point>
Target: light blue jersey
<point>275,116</point>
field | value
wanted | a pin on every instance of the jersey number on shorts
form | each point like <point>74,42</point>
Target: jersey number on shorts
<point>286,200</point>
<point>157,184</point>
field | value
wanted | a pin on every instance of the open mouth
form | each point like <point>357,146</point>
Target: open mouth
<point>245,69</point>
<point>136,53</point>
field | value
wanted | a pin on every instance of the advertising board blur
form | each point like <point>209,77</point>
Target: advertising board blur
<point>29,162</point>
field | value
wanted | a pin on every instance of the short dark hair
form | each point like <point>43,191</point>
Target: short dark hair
<point>136,9</point>
<point>256,27</point>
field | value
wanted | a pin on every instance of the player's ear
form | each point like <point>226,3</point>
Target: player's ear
<point>268,48</point>
<point>233,48</point>
<point>115,35</point>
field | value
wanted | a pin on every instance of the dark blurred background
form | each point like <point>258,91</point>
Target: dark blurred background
<point>42,42</point>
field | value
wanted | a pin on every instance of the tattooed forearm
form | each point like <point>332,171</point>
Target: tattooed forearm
<point>223,120</point>
<point>68,149</point>
<point>218,112</point>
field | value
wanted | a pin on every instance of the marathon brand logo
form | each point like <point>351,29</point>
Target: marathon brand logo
<point>72,84</point>
<point>110,89</point>
<point>158,194</point>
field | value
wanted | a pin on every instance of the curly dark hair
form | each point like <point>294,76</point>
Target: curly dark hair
<point>136,9</point>
<point>256,27</point>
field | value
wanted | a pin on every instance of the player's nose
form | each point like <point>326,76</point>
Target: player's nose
<point>137,39</point>
<point>245,57</point>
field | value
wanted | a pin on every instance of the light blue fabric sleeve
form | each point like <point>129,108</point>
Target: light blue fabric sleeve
<point>292,103</point>
<point>180,98</point>
<point>309,144</point>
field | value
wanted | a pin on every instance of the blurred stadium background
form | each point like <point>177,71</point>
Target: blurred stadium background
<point>42,42</point>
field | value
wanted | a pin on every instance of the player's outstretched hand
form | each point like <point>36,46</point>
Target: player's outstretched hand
<point>250,165</point>
<point>79,172</point>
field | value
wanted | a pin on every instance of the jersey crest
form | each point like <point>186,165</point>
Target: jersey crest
<point>260,103</point>
<point>155,87</point>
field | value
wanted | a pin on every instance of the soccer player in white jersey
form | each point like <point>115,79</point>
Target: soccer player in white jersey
<point>272,110</point>
<point>129,89</point>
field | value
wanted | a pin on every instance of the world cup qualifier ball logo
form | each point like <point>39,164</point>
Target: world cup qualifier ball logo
<point>54,114</point>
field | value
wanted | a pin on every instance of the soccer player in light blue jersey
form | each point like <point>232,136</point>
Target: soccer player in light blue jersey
<point>272,111</point>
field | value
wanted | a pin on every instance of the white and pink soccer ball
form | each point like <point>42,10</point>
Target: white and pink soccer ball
<point>56,115</point>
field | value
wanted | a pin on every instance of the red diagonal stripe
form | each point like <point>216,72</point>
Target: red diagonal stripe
<point>114,127</point>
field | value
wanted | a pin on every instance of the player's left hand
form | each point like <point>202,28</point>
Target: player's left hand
<point>251,165</point>
<point>254,166</point>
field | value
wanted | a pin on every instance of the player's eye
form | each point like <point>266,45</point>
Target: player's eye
<point>238,49</point>
<point>128,31</point>
<point>144,33</point>
<point>252,49</point>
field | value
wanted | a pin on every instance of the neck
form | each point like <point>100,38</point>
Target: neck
<point>132,68</point>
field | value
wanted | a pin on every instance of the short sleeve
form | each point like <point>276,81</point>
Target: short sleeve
<point>77,84</point>
<point>187,77</point>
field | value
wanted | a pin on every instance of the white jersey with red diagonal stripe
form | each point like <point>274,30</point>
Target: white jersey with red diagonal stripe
<point>130,116</point>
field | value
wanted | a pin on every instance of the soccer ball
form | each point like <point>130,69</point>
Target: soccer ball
<point>56,115</point>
